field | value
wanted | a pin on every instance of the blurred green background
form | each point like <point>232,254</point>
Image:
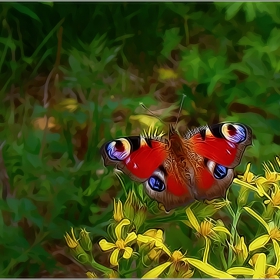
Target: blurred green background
<point>73,74</point>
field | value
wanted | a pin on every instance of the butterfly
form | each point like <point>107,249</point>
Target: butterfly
<point>175,170</point>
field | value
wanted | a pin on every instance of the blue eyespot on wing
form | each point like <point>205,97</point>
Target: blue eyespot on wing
<point>156,184</point>
<point>220,172</point>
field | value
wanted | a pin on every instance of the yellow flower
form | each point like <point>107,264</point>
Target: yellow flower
<point>176,259</point>
<point>179,262</point>
<point>261,268</point>
<point>91,275</point>
<point>206,229</point>
<point>248,176</point>
<point>153,237</point>
<point>274,198</point>
<point>262,183</point>
<point>45,122</point>
<point>240,250</point>
<point>273,233</point>
<point>209,269</point>
<point>273,271</point>
<point>271,175</point>
<point>166,74</point>
<point>118,211</point>
<point>121,245</point>
<point>248,180</point>
<point>69,104</point>
<point>253,259</point>
<point>257,272</point>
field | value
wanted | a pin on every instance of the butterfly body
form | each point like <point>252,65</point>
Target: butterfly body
<point>176,170</point>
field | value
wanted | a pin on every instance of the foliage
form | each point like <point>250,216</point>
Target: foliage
<point>73,75</point>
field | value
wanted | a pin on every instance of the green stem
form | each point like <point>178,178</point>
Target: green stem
<point>222,256</point>
<point>100,267</point>
<point>233,232</point>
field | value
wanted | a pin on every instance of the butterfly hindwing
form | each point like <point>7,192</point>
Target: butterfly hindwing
<point>170,184</point>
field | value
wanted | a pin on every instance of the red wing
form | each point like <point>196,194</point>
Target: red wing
<point>223,143</point>
<point>216,149</point>
<point>144,161</point>
<point>136,156</point>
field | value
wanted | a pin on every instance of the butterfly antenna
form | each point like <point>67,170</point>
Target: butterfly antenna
<point>179,113</point>
<point>154,115</point>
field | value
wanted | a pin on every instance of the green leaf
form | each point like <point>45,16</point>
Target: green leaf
<point>179,8</point>
<point>34,160</point>
<point>171,40</point>
<point>74,64</point>
<point>25,10</point>
<point>32,143</point>
<point>249,8</point>
<point>233,9</point>
<point>48,3</point>
<point>8,42</point>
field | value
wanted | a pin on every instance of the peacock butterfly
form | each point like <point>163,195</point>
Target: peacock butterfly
<point>175,169</point>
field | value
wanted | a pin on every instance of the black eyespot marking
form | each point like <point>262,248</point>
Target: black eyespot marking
<point>220,172</point>
<point>149,142</point>
<point>161,168</point>
<point>203,134</point>
<point>216,130</point>
<point>134,142</point>
<point>156,184</point>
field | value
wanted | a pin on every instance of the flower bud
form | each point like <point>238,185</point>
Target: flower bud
<point>243,196</point>
<point>129,211</point>
<point>85,240</point>
<point>140,217</point>
<point>118,211</point>
<point>241,251</point>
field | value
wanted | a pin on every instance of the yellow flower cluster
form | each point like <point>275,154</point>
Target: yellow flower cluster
<point>137,251</point>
